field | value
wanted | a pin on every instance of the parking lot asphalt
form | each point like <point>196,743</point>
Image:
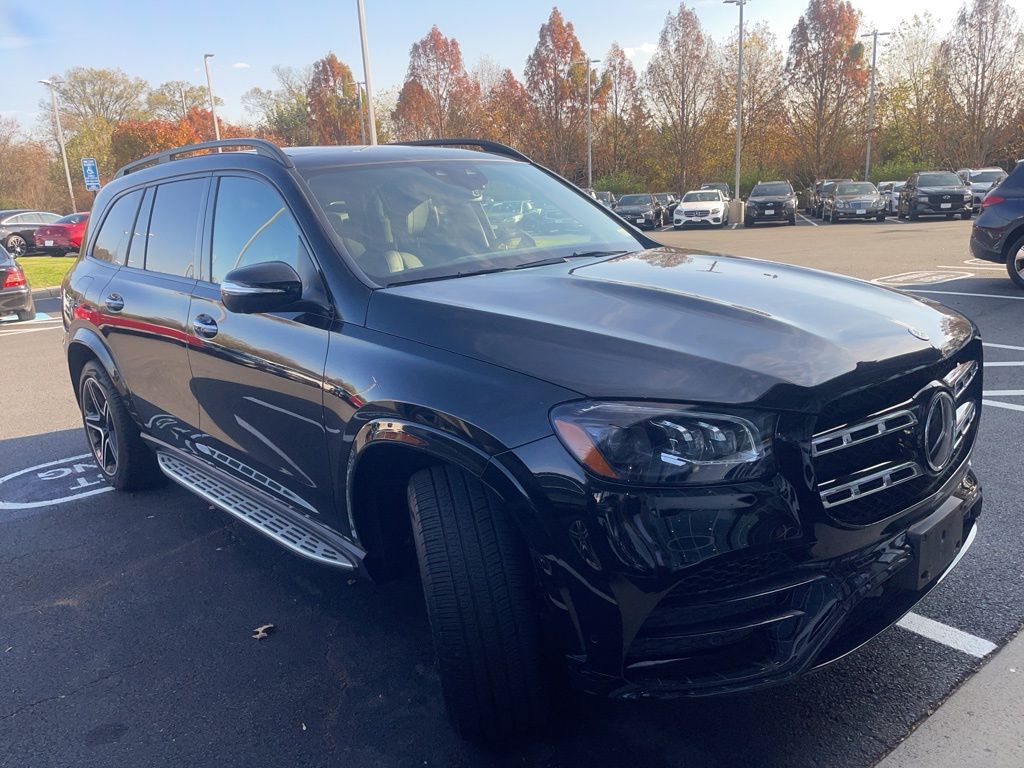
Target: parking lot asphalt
<point>126,620</point>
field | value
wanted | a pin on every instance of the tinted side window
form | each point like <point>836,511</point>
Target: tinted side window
<point>115,234</point>
<point>252,224</point>
<point>174,227</point>
<point>47,218</point>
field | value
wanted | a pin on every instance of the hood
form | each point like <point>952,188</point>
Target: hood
<point>670,325</point>
<point>699,205</point>
<point>769,198</point>
<point>960,190</point>
<point>634,208</point>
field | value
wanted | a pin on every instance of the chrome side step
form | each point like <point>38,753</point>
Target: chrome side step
<point>287,528</point>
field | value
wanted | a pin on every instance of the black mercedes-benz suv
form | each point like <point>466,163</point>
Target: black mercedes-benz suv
<point>770,201</point>
<point>647,471</point>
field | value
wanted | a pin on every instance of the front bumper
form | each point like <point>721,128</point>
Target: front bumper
<point>922,208</point>
<point>777,214</point>
<point>709,220</point>
<point>854,213</point>
<point>672,592</point>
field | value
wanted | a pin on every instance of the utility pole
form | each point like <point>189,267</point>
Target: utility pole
<point>874,35</point>
<point>209,90</point>
<point>590,132</point>
<point>52,85</point>
<point>359,103</point>
<point>739,98</point>
<point>371,117</point>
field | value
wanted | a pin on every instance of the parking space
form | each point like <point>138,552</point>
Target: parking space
<point>128,619</point>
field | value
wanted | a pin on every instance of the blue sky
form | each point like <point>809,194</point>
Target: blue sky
<point>166,41</point>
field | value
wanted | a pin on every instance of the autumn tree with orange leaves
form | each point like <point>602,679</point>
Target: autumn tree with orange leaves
<point>438,98</point>
<point>826,78</point>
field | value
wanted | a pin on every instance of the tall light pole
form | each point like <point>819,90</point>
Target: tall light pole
<point>209,90</point>
<point>371,117</point>
<point>359,103</point>
<point>590,132</point>
<point>739,97</point>
<point>874,35</point>
<point>52,85</point>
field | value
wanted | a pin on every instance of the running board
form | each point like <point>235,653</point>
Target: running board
<point>287,528</point>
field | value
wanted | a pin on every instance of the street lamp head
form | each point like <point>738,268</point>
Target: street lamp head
<point>735,2</point>
<point>46,82</point>
<point>208,55</point>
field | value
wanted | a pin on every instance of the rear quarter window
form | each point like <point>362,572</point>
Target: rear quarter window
<point>115,233</point>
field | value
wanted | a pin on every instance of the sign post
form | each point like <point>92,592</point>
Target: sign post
<point>91,174</point>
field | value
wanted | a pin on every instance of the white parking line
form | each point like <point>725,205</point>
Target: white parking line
<point>1007,406</point>
<point>807,220</point>
<point>894,220</point>
<point>1003,393</point>
<point>951,637</point>
<point>1005,364</point>
<point>17,332</point>
<point>1002,346</point>
<point>961,293</point>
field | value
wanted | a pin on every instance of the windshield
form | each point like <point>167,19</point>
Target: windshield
<point>422,220</point>
<point>939,180</point>
<point>604,197</point>
<point>635,200</point>
<point>701,197</point>
<point>779,188</point>
<point>72,218</point>
<point>663,198</point>
<point>985,176</point>
<point>863,188</point>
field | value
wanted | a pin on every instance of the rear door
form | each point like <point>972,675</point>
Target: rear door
<point>144,308</point>
<point>259,377</point>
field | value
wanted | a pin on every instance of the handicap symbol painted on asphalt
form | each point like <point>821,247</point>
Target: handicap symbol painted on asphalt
<point>54,482</point>
<point>922,277</point>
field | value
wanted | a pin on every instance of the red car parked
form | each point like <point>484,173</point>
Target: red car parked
<point>63,236</point>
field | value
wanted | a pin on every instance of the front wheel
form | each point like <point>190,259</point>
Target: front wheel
<point>747,221</point>
<point>483,606</point>
<point>25,314</point>
<point>792,220</point>
<point>1015,262</point>
<point>122,457</point>
<point>880,217</point>
<point>966,215</point>
<point>16,245</point>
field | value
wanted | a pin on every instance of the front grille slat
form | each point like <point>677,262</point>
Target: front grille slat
<point>867,449</point>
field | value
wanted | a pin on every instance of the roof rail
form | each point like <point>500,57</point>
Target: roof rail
<point>260,146</point>
<point>487,146</point>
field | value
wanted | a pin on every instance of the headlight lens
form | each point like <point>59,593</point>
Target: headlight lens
<point>659,444</point>
<point>967,195</point>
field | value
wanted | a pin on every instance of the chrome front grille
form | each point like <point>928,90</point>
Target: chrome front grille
<point>869,459</point>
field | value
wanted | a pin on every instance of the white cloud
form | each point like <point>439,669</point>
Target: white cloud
<point>239,65</point>
<point>643,50</point>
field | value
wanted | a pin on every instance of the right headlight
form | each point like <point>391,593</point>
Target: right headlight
<point>666,444</point>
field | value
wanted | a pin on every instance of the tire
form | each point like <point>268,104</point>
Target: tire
<point>747,221</point>
<point>1015,262</point>
<point>913,215</point>
<point>880,217</point>
<point>25,314</point>
<point>483,606</point>
<point>16,245</point>
<point>114,440</point>
<point>966,215</point>
<point>900,214</point>
<point>792,220</point>
<point>676,227</point>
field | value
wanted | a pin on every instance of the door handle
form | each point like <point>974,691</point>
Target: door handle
<point>205,326</point>
<point>114,302</point>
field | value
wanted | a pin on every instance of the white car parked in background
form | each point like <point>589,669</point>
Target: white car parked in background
<point>701,207</point>
<point>981,180</point>
<point>890,192</point>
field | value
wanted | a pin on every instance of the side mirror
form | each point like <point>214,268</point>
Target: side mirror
<point>263,287</point>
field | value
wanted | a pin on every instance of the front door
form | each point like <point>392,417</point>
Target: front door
<point>258,377</point>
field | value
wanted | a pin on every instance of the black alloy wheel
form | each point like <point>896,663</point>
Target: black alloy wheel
<point>16,245</point>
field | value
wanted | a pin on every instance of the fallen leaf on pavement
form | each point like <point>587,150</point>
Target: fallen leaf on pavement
<point>262,631</point>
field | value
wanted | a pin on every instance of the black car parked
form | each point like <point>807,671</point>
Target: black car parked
<point>935,193</point>
<point>998,232</point>
<point>650,471</point>
<point>770,201</point>
<point>852,200</point>
<point>642,210</point>
<point>15,291</point>
<point>669,202</point>
<point>17,227</point>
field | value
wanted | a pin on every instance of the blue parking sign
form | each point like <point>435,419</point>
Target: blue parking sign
<point>91,174</point>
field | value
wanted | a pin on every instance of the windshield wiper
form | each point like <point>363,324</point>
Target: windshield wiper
<point>563,259</point>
